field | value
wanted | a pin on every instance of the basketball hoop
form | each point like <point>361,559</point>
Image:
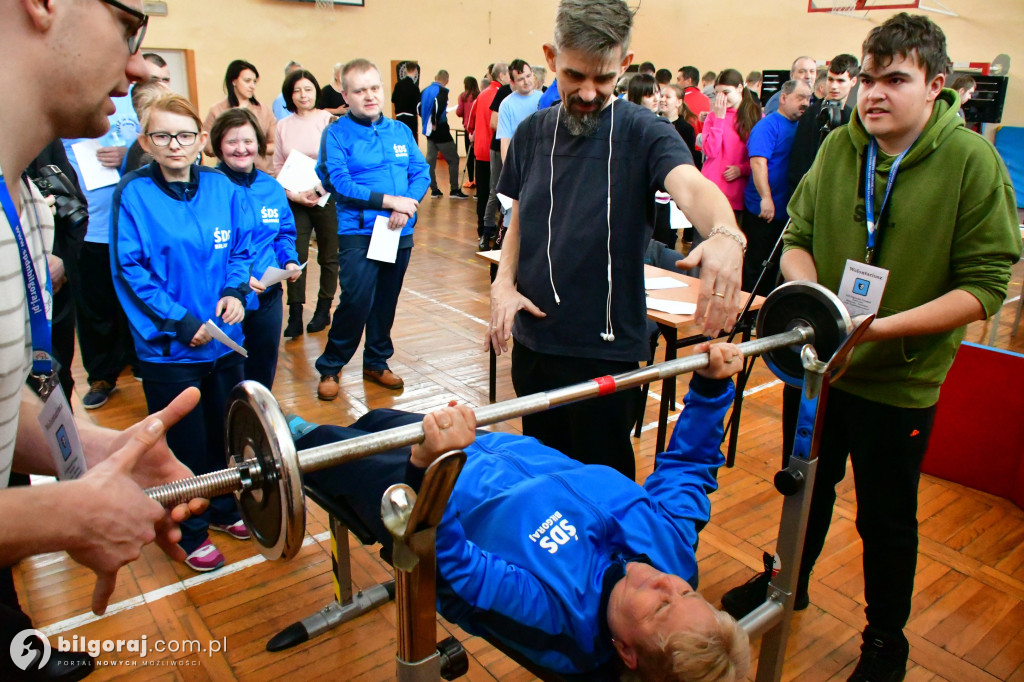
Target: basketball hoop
<point>326,6</point>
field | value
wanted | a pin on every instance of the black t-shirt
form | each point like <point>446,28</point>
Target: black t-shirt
<point>686,132</point>
<point>806,141</point>
<point>330,98</point>
<point>644,150</point>
<point>406,96</point>
<point>503,92</point>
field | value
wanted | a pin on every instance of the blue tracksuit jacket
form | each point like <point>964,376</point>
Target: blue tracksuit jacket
<point>273,235</point>
<point>360,161</point>
<point>175,250</point>
<point>532,542</point>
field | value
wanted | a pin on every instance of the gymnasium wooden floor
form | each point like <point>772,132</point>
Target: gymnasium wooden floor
<point>968,608</point>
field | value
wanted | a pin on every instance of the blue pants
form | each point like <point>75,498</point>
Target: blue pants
<point>198,439</point>
<point>262,329</point>
<point>369,296</point>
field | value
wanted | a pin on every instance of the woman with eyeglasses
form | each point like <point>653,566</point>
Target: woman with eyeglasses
<point>238,140</point>
<point>240,81</point>
<point>180,236</point>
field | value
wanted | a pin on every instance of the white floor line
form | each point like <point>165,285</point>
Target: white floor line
<point>446,306</point>
<point>161,592</point>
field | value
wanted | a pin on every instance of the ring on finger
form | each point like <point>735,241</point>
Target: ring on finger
<point>718,294</point>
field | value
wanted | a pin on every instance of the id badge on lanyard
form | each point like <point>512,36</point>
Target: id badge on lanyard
<point>56,419</point>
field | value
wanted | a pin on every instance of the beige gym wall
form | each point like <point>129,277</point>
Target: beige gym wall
<point>463,36</point>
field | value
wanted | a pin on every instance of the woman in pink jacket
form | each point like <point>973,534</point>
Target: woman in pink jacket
<point>734,112</point>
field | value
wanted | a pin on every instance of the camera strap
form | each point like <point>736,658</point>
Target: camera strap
<point>40,295</point>
<point>869,195</point>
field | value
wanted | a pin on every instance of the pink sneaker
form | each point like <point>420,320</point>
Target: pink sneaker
<point>206,558</point>
<point>237,530</point>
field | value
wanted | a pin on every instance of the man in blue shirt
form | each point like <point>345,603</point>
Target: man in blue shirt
<point>764,203</point>
<point>434,111</point>
<point>374,169</point>
<point>280,108</point>
<point>521,103</point>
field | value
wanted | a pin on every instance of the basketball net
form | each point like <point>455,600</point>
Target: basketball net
<point>847,9</point>
<point>326,6</point>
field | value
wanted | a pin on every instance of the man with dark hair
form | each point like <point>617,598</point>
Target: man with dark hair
<point>803,68</point>
<point>840,81</point>
<point>405,98</point>
<point>434,110</point>
<point>922,212</point>
<point>647,67</point>
<point>88,51</point>
<point>517,106</point>
<point>570,281</point>
<point>662,77</point>
<point>157,67</point>
<point>688,78</point>
<point>767,193</point>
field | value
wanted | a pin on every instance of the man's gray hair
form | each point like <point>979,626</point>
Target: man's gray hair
<point>792,68</point>
<point>593,27</point>
<point>499,69</point>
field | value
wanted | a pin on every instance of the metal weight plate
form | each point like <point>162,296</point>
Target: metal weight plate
<point>802,303</point>
<point>274,509</point>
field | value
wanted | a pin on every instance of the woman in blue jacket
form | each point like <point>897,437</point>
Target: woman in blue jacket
<point>238,141</point>
<point>180,256</point>
<point>574,566</point>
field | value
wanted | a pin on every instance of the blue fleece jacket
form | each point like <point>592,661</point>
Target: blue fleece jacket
<point>532,542</point>
<point>273,236</point>
<point>360,161</point>
<point>176,249</point>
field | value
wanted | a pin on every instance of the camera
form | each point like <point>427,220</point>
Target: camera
<point>831,115</point>
<point>53,182</point>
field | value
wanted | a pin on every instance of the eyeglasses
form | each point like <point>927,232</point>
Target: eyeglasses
<point>185,138</point>
<point>135,39</point>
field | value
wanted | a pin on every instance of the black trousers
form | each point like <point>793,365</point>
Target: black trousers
<point>761,237</point>
<point>595,431</point>
<point>483,187</point>
<point>103,333</point>
<point>886,445</point>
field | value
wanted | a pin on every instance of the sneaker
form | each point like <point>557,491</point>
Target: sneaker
<point>205,558</point>
<point>328,387</point>
<point>485,243</point>
<point>298,426</point>
<point>237,530</point>
<point>457,194</point>
<point>385,377</point>
<point>883,658</point>
<point>469,184</point>
<point>739,601</point>
<point>99,392</point>
<point>436,194</point>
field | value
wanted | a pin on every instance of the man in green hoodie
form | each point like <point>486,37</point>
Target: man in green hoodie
<point>904,200</point>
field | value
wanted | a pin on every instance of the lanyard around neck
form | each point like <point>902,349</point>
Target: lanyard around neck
<point>869,195</point>
<point>42,362</point>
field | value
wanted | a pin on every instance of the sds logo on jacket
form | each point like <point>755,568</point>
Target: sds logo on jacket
<point>400,150</point>
<point>554,532</point>
<point>269,215</point>
<point>221,238</point>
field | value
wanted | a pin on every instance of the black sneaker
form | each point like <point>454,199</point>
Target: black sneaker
<point>457,194</point>
<point>436,194</point>
<point>739,601</point>
<point>883,658</point>
<point>99,392</point>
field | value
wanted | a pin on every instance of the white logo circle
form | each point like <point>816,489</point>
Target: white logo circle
<point>24,651</point>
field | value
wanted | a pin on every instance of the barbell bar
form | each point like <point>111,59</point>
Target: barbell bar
<point>265,470</point>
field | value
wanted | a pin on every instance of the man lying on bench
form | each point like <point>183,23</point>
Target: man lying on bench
<point>570,565</point>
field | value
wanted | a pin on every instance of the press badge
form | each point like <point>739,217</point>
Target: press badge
<point>61,434</point>
<point>862,287</point>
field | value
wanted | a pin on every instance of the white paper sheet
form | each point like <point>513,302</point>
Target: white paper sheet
<point>93,173</point>
<point>274,275</point>
<point>505,201</point>
<point>671,307</point>
<point>676,219</point>
<point>324,198</point>
<point>298,174</point>
<point>383,241</point>
<point>216,332</point>
<point>655,283</point>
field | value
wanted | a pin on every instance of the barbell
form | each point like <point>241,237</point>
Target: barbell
<point>265,470</point>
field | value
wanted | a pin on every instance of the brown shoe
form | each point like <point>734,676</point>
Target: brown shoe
<point>328,387</point>
<point>384,377</point>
